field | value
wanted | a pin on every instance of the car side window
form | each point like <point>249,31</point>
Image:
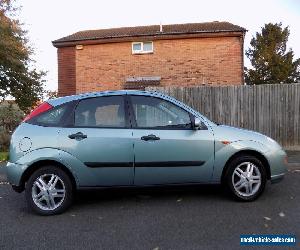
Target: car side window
<point>152,112</point>
<point>51,118</point>
<point>105,111</point>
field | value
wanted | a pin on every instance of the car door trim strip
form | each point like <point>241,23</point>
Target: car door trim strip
<point>169,164</point>
<point>108,164</point>
<point>144,164</point>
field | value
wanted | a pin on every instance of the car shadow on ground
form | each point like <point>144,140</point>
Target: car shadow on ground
<point>95,196</point>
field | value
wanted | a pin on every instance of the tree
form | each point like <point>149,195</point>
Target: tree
<point>18,76</point>
<point>50,94</point>
<point>271,61</point>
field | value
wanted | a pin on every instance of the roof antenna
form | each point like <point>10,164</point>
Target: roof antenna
<point>160,27</point>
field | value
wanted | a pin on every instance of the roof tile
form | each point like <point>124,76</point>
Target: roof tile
<point>171,29</point>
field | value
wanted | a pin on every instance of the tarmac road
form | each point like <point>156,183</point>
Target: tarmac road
<point>166,218</point>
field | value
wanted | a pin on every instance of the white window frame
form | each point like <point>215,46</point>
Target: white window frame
<point>142,48</point>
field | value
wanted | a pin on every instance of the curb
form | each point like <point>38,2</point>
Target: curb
<point>293,166</point>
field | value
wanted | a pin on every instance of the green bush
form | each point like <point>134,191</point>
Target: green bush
<point>3,156</point>
<point>4,141</point>
<point>10,118</point>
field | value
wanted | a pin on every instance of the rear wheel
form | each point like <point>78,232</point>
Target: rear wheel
<point>246,178</point>
<point>49,191</point>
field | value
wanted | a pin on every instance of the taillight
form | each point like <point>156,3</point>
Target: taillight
<point>45,106</point>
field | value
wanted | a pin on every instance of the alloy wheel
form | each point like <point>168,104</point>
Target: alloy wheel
<point>48,192</point>
<point>246,179</point>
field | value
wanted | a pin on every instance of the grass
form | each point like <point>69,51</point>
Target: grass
<point>3,156</point>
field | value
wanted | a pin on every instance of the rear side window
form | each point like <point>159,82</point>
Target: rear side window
<point>101,112</point>
<point>51,118</point>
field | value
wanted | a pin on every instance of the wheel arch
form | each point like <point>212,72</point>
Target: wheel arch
<point>39,164</point>
<point>254,153</point>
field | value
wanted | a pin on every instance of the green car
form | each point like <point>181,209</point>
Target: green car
<point>133,139</point>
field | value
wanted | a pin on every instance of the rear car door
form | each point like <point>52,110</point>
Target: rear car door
<point>101,139</point>
<point>166,147</point>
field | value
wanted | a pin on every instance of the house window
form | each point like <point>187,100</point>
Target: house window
<point>142,47</point>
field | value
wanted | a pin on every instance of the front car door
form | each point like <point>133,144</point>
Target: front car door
<point>167,149</point>
<point>101,139</point>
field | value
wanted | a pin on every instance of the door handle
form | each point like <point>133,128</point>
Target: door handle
<point>150,138</point>
<point>77,136</point>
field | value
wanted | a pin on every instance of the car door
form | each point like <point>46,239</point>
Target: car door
<point>101,139</point>
<point>167,149</point>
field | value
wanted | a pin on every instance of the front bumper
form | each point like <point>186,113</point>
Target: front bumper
<point>277,178</point>
<point>278,165</point>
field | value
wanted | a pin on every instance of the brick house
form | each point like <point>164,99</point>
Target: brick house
<point>163,55</point>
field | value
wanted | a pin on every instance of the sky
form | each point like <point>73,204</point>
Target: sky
<point>48,20</point>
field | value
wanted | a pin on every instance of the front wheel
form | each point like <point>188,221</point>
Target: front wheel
<point>49,191</point>
<point>246,178</point>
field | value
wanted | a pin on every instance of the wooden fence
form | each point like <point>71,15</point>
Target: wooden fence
<point>273,110</point>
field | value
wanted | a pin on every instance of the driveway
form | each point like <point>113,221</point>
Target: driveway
<point>165,218</point>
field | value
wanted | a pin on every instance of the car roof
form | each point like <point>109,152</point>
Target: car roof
<point>61,100</point>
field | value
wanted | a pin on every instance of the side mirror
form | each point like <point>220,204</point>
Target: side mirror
<point>197,123</point>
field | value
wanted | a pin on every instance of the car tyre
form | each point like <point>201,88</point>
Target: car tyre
<point>246,178</point>
<point>49,191</point>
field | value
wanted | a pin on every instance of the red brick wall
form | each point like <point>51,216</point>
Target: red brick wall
<point>179,62</point>
<point>66,71</point>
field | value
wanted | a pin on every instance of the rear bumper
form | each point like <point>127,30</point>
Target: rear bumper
<point>14,173</point>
